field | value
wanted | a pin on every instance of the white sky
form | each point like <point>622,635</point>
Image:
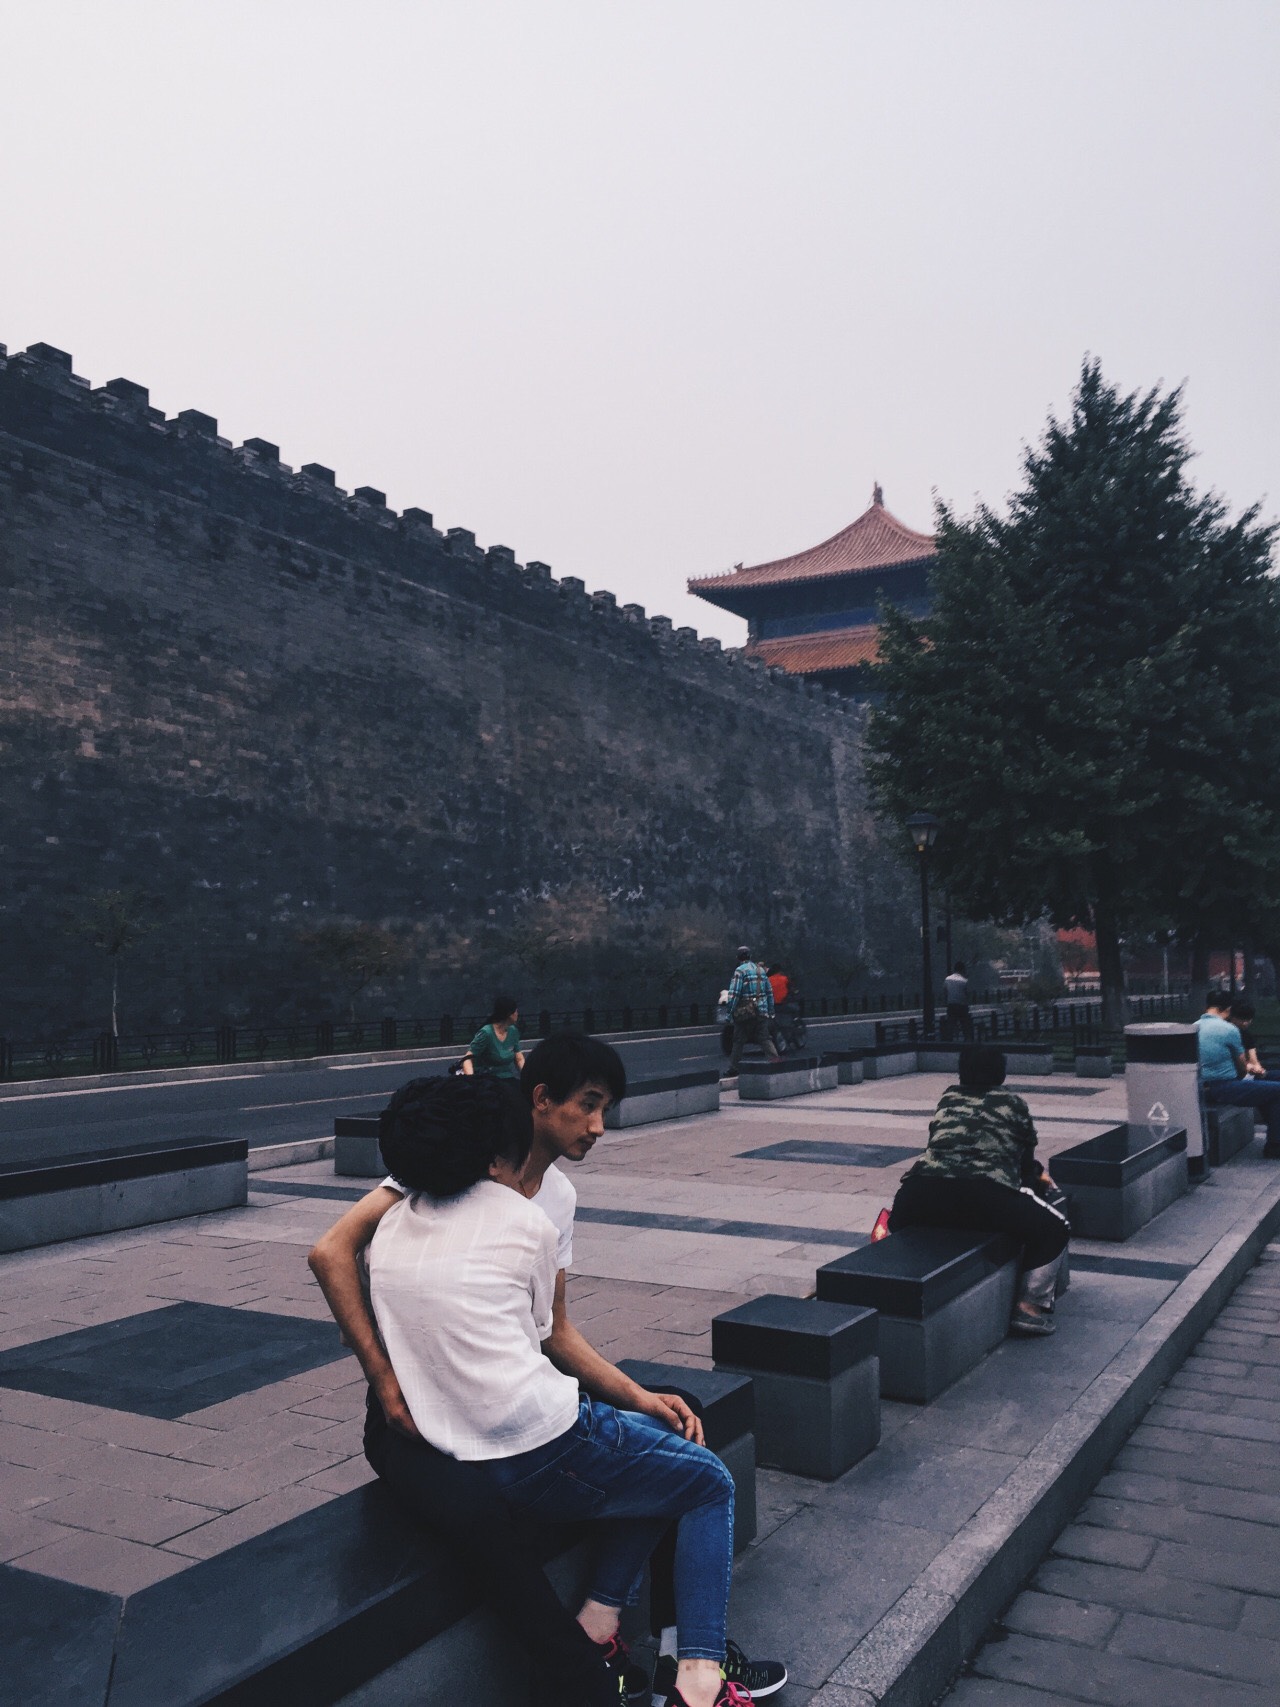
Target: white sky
<point>645,289</point>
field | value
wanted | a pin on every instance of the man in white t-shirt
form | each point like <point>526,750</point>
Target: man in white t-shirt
<point>571,1080</point>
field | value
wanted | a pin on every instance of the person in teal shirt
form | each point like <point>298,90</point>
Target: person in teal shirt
<point>495,1048</point>
<point>1222,1070</point>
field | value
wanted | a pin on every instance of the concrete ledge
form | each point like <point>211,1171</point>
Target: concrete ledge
<point>1093,1061</point>
<point>891,1062</point>
<point>1229,1130</point>
<point>850,1064</point>
<point>355,1147</point>
<point>910,1656</point>
<point>792,1076</point>
<point>1117,1182</point>
<point>75,1197</point>
<point>287,1155</point>
<point>651,1100</point>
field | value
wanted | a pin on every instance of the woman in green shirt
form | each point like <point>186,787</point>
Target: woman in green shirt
<point>495,1048</point>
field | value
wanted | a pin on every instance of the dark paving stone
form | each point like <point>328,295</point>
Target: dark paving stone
<point>56,1641</point>
<point>164,1363</point>
<point>1251,1659</point>
<point>1105,1546</point>
<point>784,1233</point>
<point>1058,1620</point>
<point>1140,1591</point>
<point>991,1692</point>
<point>842,1155</point>
<point>282,1188</point>
<point>1132,1268</point>
<point>1112,1680</point>
<point>1195,1529</point>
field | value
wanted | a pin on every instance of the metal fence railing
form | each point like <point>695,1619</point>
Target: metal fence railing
<point>62,1054</point>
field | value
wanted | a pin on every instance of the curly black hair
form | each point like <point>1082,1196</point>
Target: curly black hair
<point>440,1135</point>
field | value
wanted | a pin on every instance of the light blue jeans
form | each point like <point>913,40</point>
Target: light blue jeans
<point>633,1478</point>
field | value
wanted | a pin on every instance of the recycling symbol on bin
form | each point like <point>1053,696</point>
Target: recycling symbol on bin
<point>1158,1117</point>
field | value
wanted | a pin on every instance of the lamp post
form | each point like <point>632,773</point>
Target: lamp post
<point>924,832</point>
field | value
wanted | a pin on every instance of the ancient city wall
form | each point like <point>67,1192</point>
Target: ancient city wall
<point>268,702</point>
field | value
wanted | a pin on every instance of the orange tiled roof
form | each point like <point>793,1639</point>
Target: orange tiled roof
<point>875,540</point>
<point>838,649</point>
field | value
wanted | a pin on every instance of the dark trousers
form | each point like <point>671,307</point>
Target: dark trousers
<point>459,1503</point>
<point>959,1021</point>
<point>932,1200</point>
<point>1262,1094</point>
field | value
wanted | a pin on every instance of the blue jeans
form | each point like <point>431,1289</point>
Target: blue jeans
<point>1249,1093</point>
<point>632,1476</point>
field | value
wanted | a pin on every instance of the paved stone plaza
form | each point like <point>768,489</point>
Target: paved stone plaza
<point>169,1393</point>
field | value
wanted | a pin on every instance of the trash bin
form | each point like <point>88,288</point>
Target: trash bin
<point>1162,1083</point>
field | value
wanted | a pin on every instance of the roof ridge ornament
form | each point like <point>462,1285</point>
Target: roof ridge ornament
<point>877,494</point>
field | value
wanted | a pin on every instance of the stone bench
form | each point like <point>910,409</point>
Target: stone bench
<point>849,1064</point>
<point>944,1296</point>
<point>726,1403</point>
<point>355,1147</point>
<point>46,1200</point>
<point>1120,1180</point>
<point>351,1602</point>
<point>1229,1130</point>
<point>816,1375</point>
<point>890,1061</point>
<point>1033,1058</point>
<point>650,1100</point>
<point>792,1076</point>
<point>1093,1061</point>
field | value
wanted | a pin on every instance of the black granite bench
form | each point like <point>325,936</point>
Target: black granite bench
<point>1035,1058</point>
<point>1123,1178</point>
<point>726,1403</point>
<point>816,1377</point>
<point>944,1296</point>
<point>1229,1130</point>
<point>791,1076</point>
<point>849,1064</point>
<point>670,1098</point>
<point>890,1060</point>
<point>311,1611</point>
<point>46,1200</point>
<point>355,1146</point>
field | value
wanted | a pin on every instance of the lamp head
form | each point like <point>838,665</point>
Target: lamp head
<point>924,829</point>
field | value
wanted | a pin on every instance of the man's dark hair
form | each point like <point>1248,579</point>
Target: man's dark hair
<point>501,1009</point>
<point>960,967</point>
<point>1242,1010</point>
<point>441,1135</point>
<point>982,1066</point>
<point>567,1060</point>
<point>1219,1001</point>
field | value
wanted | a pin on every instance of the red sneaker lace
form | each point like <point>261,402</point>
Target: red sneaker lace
<point>734,1696</point>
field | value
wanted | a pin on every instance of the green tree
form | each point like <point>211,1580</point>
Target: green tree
<point>113,921</point>
<point>1080,707</point>
<point>353,954</point>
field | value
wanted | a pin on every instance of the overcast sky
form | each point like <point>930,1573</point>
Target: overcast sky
<point>646,289</point>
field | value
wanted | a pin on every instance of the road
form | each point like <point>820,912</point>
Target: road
<point>280,1107</point>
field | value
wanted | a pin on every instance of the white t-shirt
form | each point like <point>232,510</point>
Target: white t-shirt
<point>462,1293</point>
<point>957,987</point>
<point>557,1199</point>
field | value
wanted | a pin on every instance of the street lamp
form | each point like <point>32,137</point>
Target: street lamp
<point>924,829</point>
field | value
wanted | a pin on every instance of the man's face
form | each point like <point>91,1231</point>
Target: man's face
<point>571,1127</point>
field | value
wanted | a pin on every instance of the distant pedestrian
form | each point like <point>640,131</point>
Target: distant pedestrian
<point>1223,1070</point>
<point>495,1048</point>
<point>750,1008</point>
<point>957,991</point>
<point>780,984</point>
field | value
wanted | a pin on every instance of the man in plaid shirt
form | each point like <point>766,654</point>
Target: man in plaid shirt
<point>750,1008</point>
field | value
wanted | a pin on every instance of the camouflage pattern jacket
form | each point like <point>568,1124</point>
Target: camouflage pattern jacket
<point>991,1136</point>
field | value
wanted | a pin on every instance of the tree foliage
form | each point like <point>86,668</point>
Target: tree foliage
<point>113,921</point>
<point>1093,708</point>
<point>353,954</point>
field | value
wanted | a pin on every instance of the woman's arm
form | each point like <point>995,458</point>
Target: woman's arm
<point>334,1260</point>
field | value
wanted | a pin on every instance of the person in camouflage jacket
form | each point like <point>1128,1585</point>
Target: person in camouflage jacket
<point>980,1171</point>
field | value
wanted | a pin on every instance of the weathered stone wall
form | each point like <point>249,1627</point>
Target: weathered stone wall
<point>269,703</point>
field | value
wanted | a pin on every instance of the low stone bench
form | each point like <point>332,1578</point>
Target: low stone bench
<point>1093,1061</point>
<point>792,1076</point>
<point>650,1100</point>
<point>355,1147</point>
<point>1031,1058</point>
<point>944,1296</point>
<point>47,1200</point>
<point>352,1599</point>
<point>890,1061</point>
<point>816,1374</point>
<point>1229,1130</point>
<point>726,1403</point>
<point>849,1064</point>
<point>1120,1180</point>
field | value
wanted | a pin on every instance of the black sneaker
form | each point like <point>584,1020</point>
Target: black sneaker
<point>633,1680</point>
<point>758,1677</point>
